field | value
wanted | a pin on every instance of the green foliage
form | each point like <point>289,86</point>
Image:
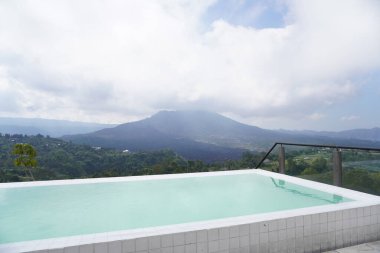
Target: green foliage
<point>295,167</point>
<point>362,180</point>
<point>319,164</point>
<point>249,160</point>
<point>325,177</point>
<point>355,155</point>
<point>58,159</point>
<point>355,179</point>
<point>25,157</point>
<point>316,164</point>
<point>309,171</point>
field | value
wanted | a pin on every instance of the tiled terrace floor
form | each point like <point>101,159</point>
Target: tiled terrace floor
<point>371,247</point>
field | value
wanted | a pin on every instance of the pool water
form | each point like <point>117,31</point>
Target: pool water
<point>42,212</point>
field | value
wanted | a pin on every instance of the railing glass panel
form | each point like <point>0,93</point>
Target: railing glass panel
<point>360,167</point>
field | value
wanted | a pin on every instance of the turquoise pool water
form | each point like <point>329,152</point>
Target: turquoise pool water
<point>41,212</point>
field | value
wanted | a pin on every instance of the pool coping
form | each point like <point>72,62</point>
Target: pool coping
<point>361,200</point>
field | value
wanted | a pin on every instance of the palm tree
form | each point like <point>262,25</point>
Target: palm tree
<point>26,157</point>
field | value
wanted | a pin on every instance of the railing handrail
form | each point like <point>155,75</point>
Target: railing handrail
<point>315,146</point>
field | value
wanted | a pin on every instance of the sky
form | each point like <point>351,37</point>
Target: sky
<point>277,64</point>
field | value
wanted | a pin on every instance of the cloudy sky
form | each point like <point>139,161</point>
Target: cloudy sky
<point>294,64</point>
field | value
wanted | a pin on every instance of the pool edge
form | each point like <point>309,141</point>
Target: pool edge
<point>364,203</point>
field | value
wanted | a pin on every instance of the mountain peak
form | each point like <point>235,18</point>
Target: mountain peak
<point>195,123</point>
<point>186,113</point>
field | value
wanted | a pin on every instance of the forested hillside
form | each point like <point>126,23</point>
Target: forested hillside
<point>58,159</point>
<point>200,135</point>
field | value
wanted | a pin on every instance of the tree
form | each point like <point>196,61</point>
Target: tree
<point>26,157</point>
<point>249,160</point>
<point>295,167</point>
<point>319,164</point>
<point>309,171</point>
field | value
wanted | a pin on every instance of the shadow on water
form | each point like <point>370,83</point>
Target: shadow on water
<point>282,184</point>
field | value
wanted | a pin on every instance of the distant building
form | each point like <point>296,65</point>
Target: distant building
<point>125,151</point>
<point>97,148</point>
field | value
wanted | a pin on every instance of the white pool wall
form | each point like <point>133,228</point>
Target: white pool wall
<point>312,229</point>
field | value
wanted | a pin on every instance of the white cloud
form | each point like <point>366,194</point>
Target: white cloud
<point>116,60</point>
<point>350,118</point>
<point>316,116</point>
<point>8,94</point>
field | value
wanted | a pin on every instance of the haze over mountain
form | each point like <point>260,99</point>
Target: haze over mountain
<point>199,135</point>
<point>54,128</point>
<point>179,131</point>
<point>372,134</point>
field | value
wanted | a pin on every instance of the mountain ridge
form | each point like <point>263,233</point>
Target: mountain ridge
<point>52,127</point>
<point>369,134</point>
<point>198,135</point>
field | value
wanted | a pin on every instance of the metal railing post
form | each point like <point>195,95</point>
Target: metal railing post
<point>281,159</point>
<point>337,167</point>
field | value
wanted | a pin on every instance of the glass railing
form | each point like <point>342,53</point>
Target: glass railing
<point>360,167</point>
<point>361,170</point>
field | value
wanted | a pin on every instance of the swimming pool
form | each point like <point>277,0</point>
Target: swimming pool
<point>92,213</point>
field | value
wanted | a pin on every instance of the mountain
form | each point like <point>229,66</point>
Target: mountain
<point>372,134</point>
<point>164,130</point>
<point>197,135</point>
<point>54,128</point>
<point>208,127</point>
